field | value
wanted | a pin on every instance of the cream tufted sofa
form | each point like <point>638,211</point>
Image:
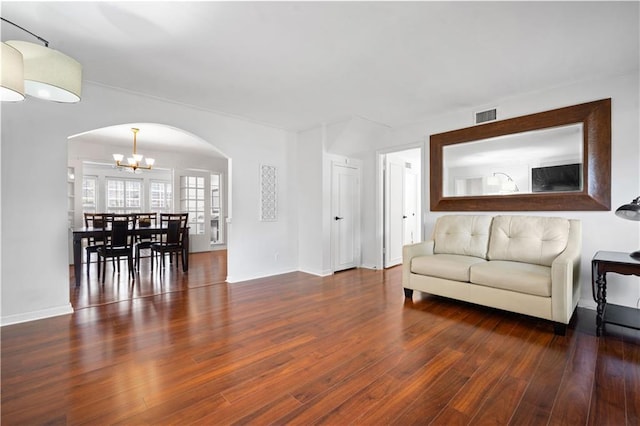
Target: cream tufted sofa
<point>524,264</point>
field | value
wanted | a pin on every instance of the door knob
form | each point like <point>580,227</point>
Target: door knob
<point>338,218</point>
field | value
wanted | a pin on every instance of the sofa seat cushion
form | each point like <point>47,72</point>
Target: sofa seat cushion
<point>515,276</point>
<point>447,266</point>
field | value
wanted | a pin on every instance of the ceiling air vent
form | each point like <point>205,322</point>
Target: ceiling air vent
<point>484,116</point>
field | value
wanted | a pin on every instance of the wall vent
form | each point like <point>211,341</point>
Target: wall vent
<point>484,116</point>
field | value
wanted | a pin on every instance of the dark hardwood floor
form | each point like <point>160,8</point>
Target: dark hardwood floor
<point>178,348</point>
<point>208,268</point>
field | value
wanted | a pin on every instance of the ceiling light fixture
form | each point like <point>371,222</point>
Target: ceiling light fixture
<point>11,75</point>
<point>47,73</point>
<point>135,161</point>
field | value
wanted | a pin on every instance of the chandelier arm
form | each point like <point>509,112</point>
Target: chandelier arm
<point>46,43</point>
<point>134,167</point>
<point>135,133</point>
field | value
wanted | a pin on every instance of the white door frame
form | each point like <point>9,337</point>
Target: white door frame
<point>394,176</point>
<point>379,196</point>
<point>412,206</point>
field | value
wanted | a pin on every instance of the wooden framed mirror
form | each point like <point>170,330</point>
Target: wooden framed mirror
<point>560,160</point>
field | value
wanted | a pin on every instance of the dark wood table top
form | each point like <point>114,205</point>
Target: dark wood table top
<point>615,257</point>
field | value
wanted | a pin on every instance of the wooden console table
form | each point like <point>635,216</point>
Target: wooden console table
<point>620,263</point>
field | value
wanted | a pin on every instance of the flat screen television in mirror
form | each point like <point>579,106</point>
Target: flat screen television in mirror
<point>566,177</point>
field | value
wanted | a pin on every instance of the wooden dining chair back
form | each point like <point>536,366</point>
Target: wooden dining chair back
<point>174,227</point>
<point>143,242</point>
<point>118,243</point>
<point>96,221</point>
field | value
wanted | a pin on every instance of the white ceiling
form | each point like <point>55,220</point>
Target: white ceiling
<point>294,65</point>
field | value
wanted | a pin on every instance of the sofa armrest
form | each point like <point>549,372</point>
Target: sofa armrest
<point>565,271</point>
<point>410,251</point>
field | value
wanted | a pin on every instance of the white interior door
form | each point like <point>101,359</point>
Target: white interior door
<point>345,216</point>
<point>401,202</point>
<point>394,210</point>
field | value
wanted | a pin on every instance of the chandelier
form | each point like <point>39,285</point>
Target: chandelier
<point>135,161</point>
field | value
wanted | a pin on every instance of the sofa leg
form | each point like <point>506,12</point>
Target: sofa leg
<point>408,293</point>
<point>559,329</point>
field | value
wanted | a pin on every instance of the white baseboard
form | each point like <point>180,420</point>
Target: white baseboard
<point>587,303</point>
<point>36,315</point>
<point>236,279</point>
<point>324,273</point>
<point>373,267</point>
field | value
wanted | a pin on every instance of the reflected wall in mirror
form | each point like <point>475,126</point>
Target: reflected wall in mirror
<point>547,160</point>
<point>554,160</point>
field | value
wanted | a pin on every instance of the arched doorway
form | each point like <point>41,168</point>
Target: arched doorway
<point>189,175</point>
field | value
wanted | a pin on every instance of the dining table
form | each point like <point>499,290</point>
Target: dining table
<point>80,234</point>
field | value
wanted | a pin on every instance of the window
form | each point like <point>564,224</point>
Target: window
<point>124,195</point>
<point>161,199</point>
<point>192,202</point>
<point>89,194</point>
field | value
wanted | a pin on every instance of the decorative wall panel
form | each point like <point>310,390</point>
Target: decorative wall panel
<point>268,193</point>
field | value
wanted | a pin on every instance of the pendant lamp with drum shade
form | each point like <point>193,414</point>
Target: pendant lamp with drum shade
<point>11,75</point>
<point>47,73</point>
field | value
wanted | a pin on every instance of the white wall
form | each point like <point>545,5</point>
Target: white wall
<point>310,195</point>
<point>35,273</point>
<point>601,230</point>
<point>34,215</point>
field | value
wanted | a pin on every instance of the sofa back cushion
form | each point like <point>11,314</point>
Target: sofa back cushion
<point>462,234</point>
<point>530,239</point>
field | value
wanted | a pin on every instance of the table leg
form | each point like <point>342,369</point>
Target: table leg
<point>185,253</point>
<point>77,259</point>
<point>601,295</point>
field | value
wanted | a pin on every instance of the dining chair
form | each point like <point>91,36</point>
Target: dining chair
<point>144,220</point>
<point>96,221</point>
<point>174,226</point>
<point>118,243</point>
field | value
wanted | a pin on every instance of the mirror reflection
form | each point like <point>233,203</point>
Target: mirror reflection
<point>539,161</point>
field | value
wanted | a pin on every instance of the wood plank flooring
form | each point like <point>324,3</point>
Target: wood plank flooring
<point>296,349</point>
<point>209,268</point>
